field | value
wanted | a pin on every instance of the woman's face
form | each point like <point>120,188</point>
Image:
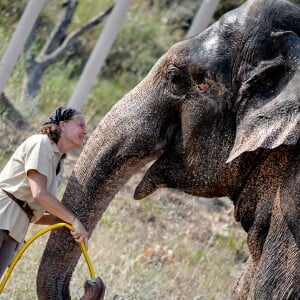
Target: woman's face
<point>75,131</point>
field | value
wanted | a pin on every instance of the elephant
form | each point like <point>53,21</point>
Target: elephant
<point>217,115</point>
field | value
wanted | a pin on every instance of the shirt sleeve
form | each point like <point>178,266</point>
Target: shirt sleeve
<point>39,157</point>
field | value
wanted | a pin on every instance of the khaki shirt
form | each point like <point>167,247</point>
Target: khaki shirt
<point>38,153</point>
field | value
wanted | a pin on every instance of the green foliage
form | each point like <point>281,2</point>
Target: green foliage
<point>10,11</point>
<point>14,86</point>
<point>133,51</point>
<point>56,86</point>
<point>42,31</point>
<point>139,44</point>
<point>226,5</point>
<point>105,93</point>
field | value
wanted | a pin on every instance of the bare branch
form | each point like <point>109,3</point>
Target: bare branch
<point>49,59</point>
<point>59,32</point>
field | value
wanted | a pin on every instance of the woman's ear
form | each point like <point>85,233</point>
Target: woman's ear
<point>62,126</point>
<point>268,106</point>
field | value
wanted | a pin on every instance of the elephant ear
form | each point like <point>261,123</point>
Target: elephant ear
<point>268,106</point>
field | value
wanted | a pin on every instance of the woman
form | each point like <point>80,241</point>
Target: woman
<point>29,182</point>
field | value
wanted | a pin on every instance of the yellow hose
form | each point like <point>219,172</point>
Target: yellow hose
<point>33,238</point>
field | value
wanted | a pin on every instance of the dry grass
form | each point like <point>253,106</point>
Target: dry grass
<point>168,246</point>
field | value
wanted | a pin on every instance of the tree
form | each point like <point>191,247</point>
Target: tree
<point>55,48</point>
<point>12,115</point>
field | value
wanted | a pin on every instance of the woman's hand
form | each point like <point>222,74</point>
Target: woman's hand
<point>80,234</point>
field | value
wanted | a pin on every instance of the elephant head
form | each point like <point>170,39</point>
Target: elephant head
<point>218,115</point>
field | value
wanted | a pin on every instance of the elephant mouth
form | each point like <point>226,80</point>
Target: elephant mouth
<point>145,187</point>
<point>161,171</point>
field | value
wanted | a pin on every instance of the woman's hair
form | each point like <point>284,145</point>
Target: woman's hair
<point>52,130</point>
<point>51,125</point>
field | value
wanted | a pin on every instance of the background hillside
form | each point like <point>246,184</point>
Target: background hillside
<point>167,246</point>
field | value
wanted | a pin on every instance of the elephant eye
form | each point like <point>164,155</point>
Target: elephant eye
<point>177,83</point>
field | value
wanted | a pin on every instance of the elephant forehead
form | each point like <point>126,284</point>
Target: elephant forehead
<point>209,51</point>
<point>211,43</point>
<point>180,54</point>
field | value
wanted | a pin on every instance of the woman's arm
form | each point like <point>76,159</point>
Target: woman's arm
<point>46,219</point>
<point>38,186</point>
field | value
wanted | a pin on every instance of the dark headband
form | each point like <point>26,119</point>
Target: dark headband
<point>61,114</point>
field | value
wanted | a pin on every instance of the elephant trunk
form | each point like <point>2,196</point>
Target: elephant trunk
<point>94,289</point>
<point>122,143</point>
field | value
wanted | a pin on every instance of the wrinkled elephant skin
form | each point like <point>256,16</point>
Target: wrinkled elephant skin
<point>218,115</point>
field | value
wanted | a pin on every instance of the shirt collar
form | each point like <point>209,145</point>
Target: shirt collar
<point>55,148</point>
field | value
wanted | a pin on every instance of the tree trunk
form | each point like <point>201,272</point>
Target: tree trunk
<point>11,114</point>
<point>34,72</point>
